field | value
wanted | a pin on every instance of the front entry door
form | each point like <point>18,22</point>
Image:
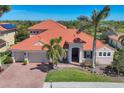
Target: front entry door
<point>75,54</point>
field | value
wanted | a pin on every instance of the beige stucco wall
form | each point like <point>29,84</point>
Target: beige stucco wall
<point>3,49</point>
<point>104,59</point>
<point>33,56</point>
<point>37,56</point>
<point>9,37</point>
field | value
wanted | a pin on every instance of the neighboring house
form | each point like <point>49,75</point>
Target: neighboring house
<point>78,45</point>
<point>7,36</point>
<point>113,41</point>
<point>107,33</point>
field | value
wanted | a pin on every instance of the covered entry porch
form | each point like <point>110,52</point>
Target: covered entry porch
<point>77,54</point>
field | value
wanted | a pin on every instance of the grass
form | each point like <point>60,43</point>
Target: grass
<point>121,30</point>
<point>74,75</point>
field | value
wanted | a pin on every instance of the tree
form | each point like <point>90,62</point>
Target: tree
<point>57,46</point>
<point>85,24</point>
<point>118,62</point>
<point>3,9</point>
<point>54,50</point>
<point>21,35</point>
<point>97,17</point>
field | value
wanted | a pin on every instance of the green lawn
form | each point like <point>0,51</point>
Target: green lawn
<point>73,74</point>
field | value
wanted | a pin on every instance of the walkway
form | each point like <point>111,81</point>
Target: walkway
<point>22,76</point>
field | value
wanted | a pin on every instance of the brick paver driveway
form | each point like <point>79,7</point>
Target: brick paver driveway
<point>22,76</point>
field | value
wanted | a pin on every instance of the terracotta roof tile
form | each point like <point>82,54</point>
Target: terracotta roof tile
<point>55,30</point>
<point>115,37</point>
<point>2,29</point>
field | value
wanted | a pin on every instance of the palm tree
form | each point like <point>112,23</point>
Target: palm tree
<point>121,39</point>
<point>97,17</point>
<point>57,46</point>
<point>54,50</point>
<point>3,9</point>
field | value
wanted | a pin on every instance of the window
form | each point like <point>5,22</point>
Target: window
<point>37,32</point>
<point>34,32</point>
<point>24,54</point>
<point>104,54</point>
<point>109,54</point>
<point>100,53</point>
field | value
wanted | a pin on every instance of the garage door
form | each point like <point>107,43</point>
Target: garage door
<point>19,56</point>
<point>37,57</point>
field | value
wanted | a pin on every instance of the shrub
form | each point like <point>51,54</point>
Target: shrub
<point>25,62</point>
<point>8,60</point>
<point>87,64</point>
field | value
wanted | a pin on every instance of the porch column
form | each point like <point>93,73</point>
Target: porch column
<point>26,56</point>
<point>13,57</point>
<point>83,59</point>
<point>70,55</point>
<point>80,55</point>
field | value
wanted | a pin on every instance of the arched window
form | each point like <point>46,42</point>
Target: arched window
<point>100,53</point>
<point>104,54</point>
<point>109,54</point>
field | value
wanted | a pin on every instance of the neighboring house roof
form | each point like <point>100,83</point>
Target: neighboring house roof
<point>7,26</point>
<point>55,30</point>
<point>115,37</point>
<point>110,47</point>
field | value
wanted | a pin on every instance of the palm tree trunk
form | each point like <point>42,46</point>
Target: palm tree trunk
<point>94,50</point>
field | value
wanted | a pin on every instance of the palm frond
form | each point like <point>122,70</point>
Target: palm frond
<point>52,41</point>
<point>3,9</point>
<point>94,16</point>
<point>103,13</point>
<point>58,40</point>
<point>46,46</point>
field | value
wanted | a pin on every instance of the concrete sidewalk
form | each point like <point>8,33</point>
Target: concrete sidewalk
<point>83,85</point>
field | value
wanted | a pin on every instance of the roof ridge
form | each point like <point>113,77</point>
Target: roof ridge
<point>62,26</point>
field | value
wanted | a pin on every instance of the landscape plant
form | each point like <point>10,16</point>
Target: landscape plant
<point>54,51</point>
<point>3,9</point>
<point>96,18</point>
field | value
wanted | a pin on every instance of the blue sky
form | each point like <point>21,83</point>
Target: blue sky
<point>58,12</point>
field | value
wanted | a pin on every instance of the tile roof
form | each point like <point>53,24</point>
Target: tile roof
<point>55,30</point>
<point>115,37</point>
<point>2,28</point>
<point>48,24</point>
